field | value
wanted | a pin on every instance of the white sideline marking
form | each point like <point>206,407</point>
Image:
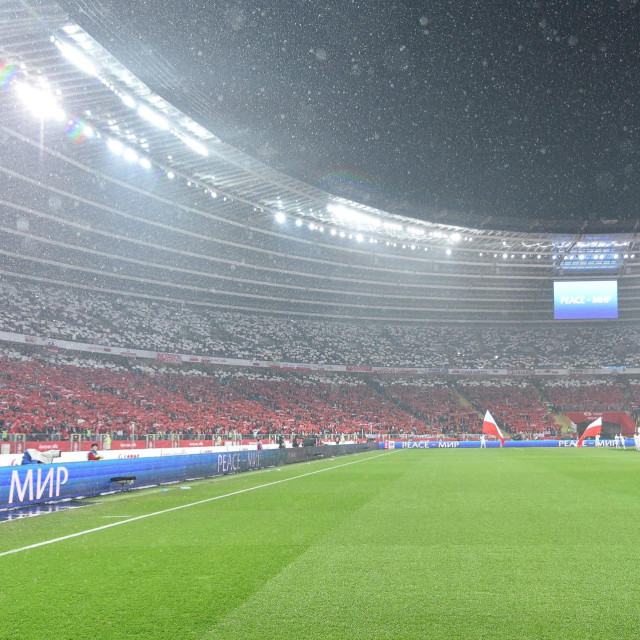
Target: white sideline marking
<point>184,506</point>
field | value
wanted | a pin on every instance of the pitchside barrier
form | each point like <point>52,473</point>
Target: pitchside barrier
<point>475,444</point>
<point>33,484</point>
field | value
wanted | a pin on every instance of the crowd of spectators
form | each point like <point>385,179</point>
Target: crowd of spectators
<point>50,311</point>
<point>515,404</point>
<point>52,395</point>
<point>436,403</point>
<point>56,394</point>
<point>566,394</point>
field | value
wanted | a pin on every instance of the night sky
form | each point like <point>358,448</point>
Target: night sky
<point>493,110</point>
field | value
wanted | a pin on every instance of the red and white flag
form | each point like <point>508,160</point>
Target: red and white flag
<point>592,430</point>
<point>490,428</point>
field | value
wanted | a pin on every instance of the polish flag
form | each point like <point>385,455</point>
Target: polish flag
<point>490,428</point>
<point>592,430</point>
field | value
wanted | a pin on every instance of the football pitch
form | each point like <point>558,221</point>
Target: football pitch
<point>514,543</point>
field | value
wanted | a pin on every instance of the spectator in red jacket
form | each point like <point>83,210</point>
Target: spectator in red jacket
<point>93,453</point>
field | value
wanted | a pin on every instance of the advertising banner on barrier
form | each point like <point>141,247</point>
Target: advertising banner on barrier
<point>509,444</point>
<point>31,484</point>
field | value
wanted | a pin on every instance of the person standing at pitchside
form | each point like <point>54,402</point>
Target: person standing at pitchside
<point>93,453</point>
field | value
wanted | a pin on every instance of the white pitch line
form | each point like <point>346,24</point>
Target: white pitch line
<point>184,506</point>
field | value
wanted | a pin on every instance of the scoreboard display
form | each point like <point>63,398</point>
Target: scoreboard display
<point>585,299</point>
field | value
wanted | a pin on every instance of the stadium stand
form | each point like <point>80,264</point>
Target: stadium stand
<point>99,318</point>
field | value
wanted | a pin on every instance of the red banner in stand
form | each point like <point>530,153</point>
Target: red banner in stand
<point>172,358</point>
<point>626,422</point>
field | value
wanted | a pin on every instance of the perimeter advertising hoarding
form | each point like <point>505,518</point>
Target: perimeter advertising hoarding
<point>33,484</point>
<point>585,299</point>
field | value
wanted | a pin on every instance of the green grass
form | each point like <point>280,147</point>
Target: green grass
<point>416,544</point>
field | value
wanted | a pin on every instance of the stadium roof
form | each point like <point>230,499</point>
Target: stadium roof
<point>96,121</point>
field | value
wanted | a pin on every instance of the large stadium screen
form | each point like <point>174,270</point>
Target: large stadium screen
<point>585,299</point>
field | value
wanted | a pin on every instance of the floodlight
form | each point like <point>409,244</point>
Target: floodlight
<point>298,222</point>
<point>145,163</point>
<point>448,252</point>
<point>128,100</point>
<point>129,155</point>
<point>359,237</point>
<point>351,216</point>
<point>196,146</point>
<point>280,217</point>
<point>115,146</point>
<point>39,102</point>
<point>75,57</point>
<point>151,116</point>
<point>455,237</point>
<point>171,175</point>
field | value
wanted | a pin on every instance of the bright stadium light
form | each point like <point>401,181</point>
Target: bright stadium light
<point>77,58</point>
<point>455,237</point>
<point>416,231</point>
<point>129,155</point>
<point>194,145</point>
<point>280,217</point>
<point>351,216</point>
<point>115,146</point>
<point>39,102</point>
<point>359,237</point>
<point>145,163</point>
<point>333,232</point>
<point>128,100</point>
<point>298,222</point>
<point>448,252</point>
<point>392,226</point>
<point>151,116</point>
<point>171,175</point>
